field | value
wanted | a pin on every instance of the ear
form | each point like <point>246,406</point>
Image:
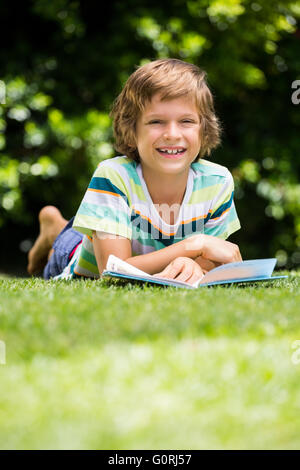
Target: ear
<point>132,143</point>
<point>130,137</point>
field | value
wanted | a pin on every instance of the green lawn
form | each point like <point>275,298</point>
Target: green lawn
<point>96,366</point>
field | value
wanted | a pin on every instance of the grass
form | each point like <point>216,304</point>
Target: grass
<point>96,366</point>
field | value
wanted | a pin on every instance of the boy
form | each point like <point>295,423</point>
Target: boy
<point>161,207</point>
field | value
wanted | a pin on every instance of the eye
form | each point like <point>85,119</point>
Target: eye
<point>155,121</point>
<point>188,121</point>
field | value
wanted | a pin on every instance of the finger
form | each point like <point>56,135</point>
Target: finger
<point>185,274</point>
<point>238,257</point>
<point>237,253</point>
<point>195,277</point>
<point>206,264</point>
<point>174,269</point>
<point>170,272</point>
<point>191,274</point>
<point>164,272</point>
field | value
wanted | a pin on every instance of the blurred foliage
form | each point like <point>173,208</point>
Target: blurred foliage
<point>62,63</point>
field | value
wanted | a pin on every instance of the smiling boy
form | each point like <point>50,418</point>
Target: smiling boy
<point>161,207</point>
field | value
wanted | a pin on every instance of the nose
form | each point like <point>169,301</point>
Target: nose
<point>172,131</point>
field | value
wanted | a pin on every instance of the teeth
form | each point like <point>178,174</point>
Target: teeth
<point>171,152</point>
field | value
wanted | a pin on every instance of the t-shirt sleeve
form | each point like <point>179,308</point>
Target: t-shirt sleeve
<point>223,220</point>
<point>105,206</point>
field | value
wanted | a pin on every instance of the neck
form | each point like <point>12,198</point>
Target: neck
<point>166,189</point>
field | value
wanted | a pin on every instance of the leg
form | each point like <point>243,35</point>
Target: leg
<point>51,224</point>
<point>50,254</point>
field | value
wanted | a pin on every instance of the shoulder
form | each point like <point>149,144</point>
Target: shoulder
<point>211,181</point>
<point>205,168</point>
<point>117,175</point>
<point>118,169</point>
<point>115,169</point>
<point>116,165</point>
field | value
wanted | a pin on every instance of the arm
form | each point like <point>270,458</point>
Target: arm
<point>213,253</point>
<point>106,244</point>
<point>206,246</point>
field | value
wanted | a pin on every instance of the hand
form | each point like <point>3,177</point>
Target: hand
<point>182,269</point>
<point>206,265</point>
<point>214,249</point>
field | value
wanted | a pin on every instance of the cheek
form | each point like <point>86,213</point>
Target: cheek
<point>197,136</point>
<point>150,137</point>
<point>193,135</point>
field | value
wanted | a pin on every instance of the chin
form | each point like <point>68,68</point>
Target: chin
<point>172,169</point>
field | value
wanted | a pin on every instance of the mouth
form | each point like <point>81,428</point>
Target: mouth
<point>171,152</point>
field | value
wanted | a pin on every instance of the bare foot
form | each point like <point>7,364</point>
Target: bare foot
<point>51,224</point>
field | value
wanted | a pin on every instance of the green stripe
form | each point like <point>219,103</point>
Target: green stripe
<point>208,168</point>
<point>114,177</point>
<point>233,226</point>
<point>222,231</point>
<point>145,239</point>
<point>205,194</point>
<point>88,266</point>
<point>82,222</point>
<point>232,215</point>
<point>226,197</point>
<point>138,191</point>
<point>130,167</point>
<point>134,179</point>
<point>90,258</point>
<point>105,212</point>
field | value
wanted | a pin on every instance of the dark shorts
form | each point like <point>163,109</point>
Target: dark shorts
<point>63,246</point>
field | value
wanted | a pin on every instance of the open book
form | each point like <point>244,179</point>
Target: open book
<point>244,271</point>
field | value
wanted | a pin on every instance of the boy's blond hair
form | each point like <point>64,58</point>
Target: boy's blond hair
<point>171,78</point>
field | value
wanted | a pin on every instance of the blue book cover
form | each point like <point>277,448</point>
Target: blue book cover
<point>244,271</point>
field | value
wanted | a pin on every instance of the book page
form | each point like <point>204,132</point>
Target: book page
<point>255,268</point>
<point>118,265</point>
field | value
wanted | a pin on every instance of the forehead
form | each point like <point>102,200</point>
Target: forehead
<point>182,104</point>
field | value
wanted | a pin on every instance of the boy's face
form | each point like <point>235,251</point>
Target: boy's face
<point>168,135</point>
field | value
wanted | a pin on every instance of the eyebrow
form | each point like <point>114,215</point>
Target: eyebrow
<point>157,115</point>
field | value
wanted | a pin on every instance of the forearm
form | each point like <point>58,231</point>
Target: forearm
<point>156,261</point>
<point>206,250</point>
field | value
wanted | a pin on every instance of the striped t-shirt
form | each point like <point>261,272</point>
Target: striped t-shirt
<point>117,201</point>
